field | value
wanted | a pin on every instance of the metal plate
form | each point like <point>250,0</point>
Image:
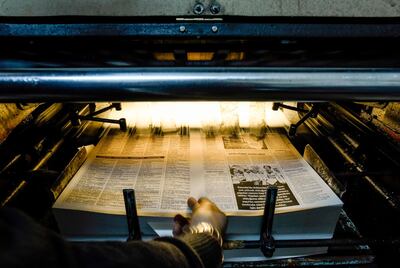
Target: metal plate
<point>331,8</point>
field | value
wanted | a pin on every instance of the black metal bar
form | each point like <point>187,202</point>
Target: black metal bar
<point>315,243</point>
<point>266,239</point>
<point>204,29</point>
<point>315,261</point>
<point>100,111</point>
<point>75,118</point>
<point>336,242</point>
<point>134,232</point>
<point>277,105</point>
<point>354,121</point>
<point>68,172</point>
<point>121,122</point>
<point>139,84</point>
<point>312,113</point>
<point>43,161</point>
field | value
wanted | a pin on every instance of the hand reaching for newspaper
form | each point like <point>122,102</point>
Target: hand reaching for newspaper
<point>203,211</point>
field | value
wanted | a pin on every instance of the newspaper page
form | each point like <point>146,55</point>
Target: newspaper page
<point>232,170</point>
<point>273,161</point>
<point>157,167</point>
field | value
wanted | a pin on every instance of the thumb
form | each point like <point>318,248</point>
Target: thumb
<point>180,223</point>
<point>193,204</point>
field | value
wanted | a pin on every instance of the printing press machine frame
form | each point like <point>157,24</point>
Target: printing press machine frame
<point>341,76</point>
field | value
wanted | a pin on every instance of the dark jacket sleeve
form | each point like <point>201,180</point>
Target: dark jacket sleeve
<point>24,243</point>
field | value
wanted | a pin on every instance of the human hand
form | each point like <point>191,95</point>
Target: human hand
<point>203,210</point>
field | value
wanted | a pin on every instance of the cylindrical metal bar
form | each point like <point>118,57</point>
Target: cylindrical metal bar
<point>269,211</point>
<point>121,122</point>
<point>311,28</point>
<point>101,110</point>
<point>134,232</point>
<point>314,261</point>
<point>314,243</point>
<point>98,119</point>
<point>278,105</point>
<point>267,243</point>
<point>23,183</point>
<point>335,242</point>
<point>139,84</point>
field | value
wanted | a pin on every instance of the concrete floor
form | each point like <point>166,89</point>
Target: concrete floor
<point>331,8</point>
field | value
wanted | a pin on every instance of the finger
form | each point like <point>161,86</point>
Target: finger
<point>181,220</point>
<point>177,229</point>
<point>205,201</point>
<point>180,223</point>
<point>192,203</point>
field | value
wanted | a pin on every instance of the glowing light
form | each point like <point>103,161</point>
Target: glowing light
<point>172,115</point>
<point>199,56</point>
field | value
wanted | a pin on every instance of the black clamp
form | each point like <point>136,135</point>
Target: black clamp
<point>134,232</point>
<point>312,113</point>
<point>267,241</point>
<point>77,118</point>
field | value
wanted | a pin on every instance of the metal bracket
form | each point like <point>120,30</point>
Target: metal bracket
<point>134,232</point>
<point>267,242</point>
<point>277,105</point>
<point>76,118</point>
<point>312,113</point>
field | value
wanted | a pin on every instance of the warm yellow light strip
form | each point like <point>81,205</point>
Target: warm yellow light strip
<point>171,115</point>
<point>164,56</point>
<point>234,56</point>
<point>199,56</point>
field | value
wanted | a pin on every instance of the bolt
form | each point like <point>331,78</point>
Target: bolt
<point>214,29</point>
<point>215,9</point>
<point>182,29</point>
<point>198,9</point>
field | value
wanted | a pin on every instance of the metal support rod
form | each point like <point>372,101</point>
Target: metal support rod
<point>314,261</point>
<point>121,122</point>
<point>335,242</point>
<point>75,118</point>
<point>23,183</point>
<point>312,113</point>
<point>269,28</point>
<point>117,107</point>
<point>376,185</point>
<point>134,232</point>
<point>277,105</point>
<point>266,239</point>
<point>217,83</point>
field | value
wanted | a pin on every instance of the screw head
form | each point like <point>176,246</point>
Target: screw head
<point>182,29</point>
<point>214,29</point>
<point>215,9</point>
<point>198,9</point>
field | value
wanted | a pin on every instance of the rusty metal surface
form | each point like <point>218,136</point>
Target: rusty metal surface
<point>11,115</point>
<point>387,120</point>
<point>317,261</point>
<point>320,167</point>
<point>69,171</point>
<point>331,8</point>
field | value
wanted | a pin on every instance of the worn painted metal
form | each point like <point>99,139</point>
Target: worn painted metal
<point>330,8</point>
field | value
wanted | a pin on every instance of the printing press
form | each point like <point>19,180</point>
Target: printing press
<point>337,81</point>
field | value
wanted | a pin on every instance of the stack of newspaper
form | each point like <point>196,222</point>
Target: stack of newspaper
<point>232,171</point>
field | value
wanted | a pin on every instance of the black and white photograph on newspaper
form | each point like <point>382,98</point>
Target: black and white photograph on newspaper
<point>251,181</point>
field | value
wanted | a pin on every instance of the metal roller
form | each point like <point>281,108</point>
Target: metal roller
<point>140,84</point>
